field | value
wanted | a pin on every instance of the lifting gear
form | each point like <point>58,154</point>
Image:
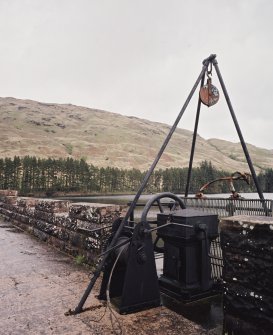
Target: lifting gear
<point>141,230</point>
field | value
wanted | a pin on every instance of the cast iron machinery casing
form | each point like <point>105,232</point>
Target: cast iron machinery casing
<point>187,268</point>
<point>134,283</point>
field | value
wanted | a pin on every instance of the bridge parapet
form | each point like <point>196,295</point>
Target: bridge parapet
<point>75,228</point>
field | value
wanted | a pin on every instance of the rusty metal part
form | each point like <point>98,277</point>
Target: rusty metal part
<point>209,94</point>
<point>235,176</point>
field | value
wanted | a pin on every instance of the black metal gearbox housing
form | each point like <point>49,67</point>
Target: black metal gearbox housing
<point>199,221</point>
<point>187,265</point>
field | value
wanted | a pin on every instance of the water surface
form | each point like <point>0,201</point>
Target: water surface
<point>124,199</point>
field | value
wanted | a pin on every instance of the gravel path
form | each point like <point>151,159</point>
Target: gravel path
<point>39,284</point>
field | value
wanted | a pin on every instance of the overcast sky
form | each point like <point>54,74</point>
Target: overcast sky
<point>142,57</point>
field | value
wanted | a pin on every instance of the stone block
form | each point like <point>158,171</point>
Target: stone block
<point>71,250</point>
<point>76,239</point>
<point>40,234</point>
<point>5,193</point>
<point>21,218</point>
<point>93,242</point>
<point>27,202</point>
<point>43,226</point>
<point>96,213</point>
<point>45,216</point>
<point>63,234</point>
<point>52,206</point>
<point>247,245</point>
<point>87,225</point>
<point>84,212</point>
<point>57,243</point>
<point>11,200</point>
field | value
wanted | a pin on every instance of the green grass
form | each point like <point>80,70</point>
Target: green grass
<point>69,148</point>
<point>80,259</point>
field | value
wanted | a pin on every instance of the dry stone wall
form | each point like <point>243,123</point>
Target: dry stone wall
<point>75,228</point>
<point>247,245</point>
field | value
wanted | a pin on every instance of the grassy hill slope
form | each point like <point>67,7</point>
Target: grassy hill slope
<point>109,139</point>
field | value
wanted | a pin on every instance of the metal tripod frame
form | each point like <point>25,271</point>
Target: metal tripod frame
<point>208,61</point>
<point>243,144</point>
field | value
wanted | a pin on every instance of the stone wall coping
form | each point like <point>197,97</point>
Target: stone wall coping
<point>53,200</point>
<point>93,204</point>
<point>246,219</point>
<point>8,193</point>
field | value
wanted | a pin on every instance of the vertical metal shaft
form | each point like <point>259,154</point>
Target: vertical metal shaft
<point>253,173</point>
<point>194,140</point>
<point>141,188</point>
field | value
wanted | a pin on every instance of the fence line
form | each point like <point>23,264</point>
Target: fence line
<point>229,207</point>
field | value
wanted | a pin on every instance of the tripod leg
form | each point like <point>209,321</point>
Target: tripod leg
<point>253,173</point>
<point>194,140</point>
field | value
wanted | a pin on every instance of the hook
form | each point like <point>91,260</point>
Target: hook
<point>209,70</point>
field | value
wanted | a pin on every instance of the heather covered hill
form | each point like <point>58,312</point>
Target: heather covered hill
<point>109,139</point>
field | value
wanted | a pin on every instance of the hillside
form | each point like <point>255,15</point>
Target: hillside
<point>109,139</point>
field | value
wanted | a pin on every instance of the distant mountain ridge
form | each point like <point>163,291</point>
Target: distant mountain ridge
<point>108,139</point>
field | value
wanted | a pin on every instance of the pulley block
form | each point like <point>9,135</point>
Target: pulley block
<point>209,94</point>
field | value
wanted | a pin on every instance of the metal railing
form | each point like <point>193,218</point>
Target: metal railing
<point>229,207</point>
<point>216,260</point>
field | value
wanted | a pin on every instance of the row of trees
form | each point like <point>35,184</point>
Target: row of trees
<point>36,175</point>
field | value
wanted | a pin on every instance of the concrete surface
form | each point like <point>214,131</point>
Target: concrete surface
<point>39,284</point>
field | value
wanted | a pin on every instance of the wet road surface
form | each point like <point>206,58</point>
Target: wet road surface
<point>39,284</point>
